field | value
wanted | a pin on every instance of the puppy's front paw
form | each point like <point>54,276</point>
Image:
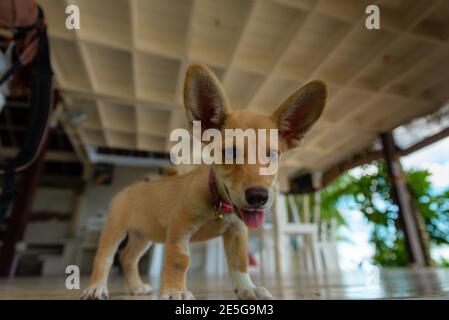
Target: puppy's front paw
<point>177,295</point>
<point>141,290</point>
<point>95,293</point>
<point>257,293</point>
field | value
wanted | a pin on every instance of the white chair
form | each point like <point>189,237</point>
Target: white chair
<point>302,229</point>
<point>276,252</point>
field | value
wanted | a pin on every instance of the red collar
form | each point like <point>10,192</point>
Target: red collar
<point>219,203</point>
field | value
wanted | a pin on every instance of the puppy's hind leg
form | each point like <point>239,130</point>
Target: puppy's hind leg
<point>111,236</point>
<point>129,258</point>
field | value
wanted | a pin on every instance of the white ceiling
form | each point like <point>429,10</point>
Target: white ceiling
<point>125,67</point>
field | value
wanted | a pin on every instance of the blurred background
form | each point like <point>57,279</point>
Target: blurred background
<point>368,189</point>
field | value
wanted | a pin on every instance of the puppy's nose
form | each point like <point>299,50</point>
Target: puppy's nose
<point>257,196</point>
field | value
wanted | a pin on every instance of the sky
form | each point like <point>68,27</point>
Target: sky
<point>434,158</point>
<point>356,251</point>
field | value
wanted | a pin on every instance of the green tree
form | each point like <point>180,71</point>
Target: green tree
<point>371,194</point>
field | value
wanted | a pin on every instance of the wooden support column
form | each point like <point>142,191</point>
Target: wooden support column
<point>317,184</point>
<point>306,208</point>
<point>21,210</point>
<point>413,238</point>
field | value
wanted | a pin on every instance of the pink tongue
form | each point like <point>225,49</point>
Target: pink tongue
<point>252,219</point>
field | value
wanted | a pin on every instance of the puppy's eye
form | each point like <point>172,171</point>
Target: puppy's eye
<point>229,153</point>
<point>273,155</point>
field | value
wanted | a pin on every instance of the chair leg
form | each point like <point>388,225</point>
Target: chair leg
<point>278,246</point>
<point>333,253</point>
<point>270,258</point>
<point>315,252</point>
<point>308,253</point>
<point>221,266</point>
<point>263,260</point>
<point>324,256</point>
<point>214,256</point>
<point>157,260</point>
<point>209,258</point>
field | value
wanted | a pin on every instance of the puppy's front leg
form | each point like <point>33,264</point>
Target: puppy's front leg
<point>236,249</point>
<point>176,263</point>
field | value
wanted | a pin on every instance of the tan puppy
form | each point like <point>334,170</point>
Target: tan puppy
<point>177,210</point>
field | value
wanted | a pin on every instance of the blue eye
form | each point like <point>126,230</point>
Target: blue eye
<point>274,154</point>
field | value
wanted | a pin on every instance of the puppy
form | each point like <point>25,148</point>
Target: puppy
<point>211,201</point>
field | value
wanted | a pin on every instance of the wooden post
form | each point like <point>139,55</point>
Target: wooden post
<point>413,238</point>
<point>316,181</point>
<point>21,210</point>
<point>306,208</point>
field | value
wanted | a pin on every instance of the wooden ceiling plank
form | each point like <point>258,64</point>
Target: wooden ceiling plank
<point>248,17</point>
<point>90,71</point>
<point>187,46</point>
<point>347,15</point>
<point>135,59</point>
<point>385,26</point>
<point>380,94</point>
<point>335,47</point>
<point>171,105</point>
<point>183,66</point>
<point>117,98</point>
<point>283,48</point>
<point>400,77</point>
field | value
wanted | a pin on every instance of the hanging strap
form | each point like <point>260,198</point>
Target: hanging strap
<point>8,190</point>
<point>38,120</point>
<point>13,70</point>
<point>25,57</point>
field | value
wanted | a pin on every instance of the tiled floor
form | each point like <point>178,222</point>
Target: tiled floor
<point>391,284</point>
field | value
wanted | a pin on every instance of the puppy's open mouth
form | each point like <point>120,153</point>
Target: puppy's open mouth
<point>253,218</point>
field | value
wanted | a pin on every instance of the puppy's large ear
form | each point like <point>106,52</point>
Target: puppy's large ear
<point>296,116</point>
<point>204,98</point>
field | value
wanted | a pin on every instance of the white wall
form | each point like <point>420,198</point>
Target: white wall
<point>96,198</point>
<point>55,201</point>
